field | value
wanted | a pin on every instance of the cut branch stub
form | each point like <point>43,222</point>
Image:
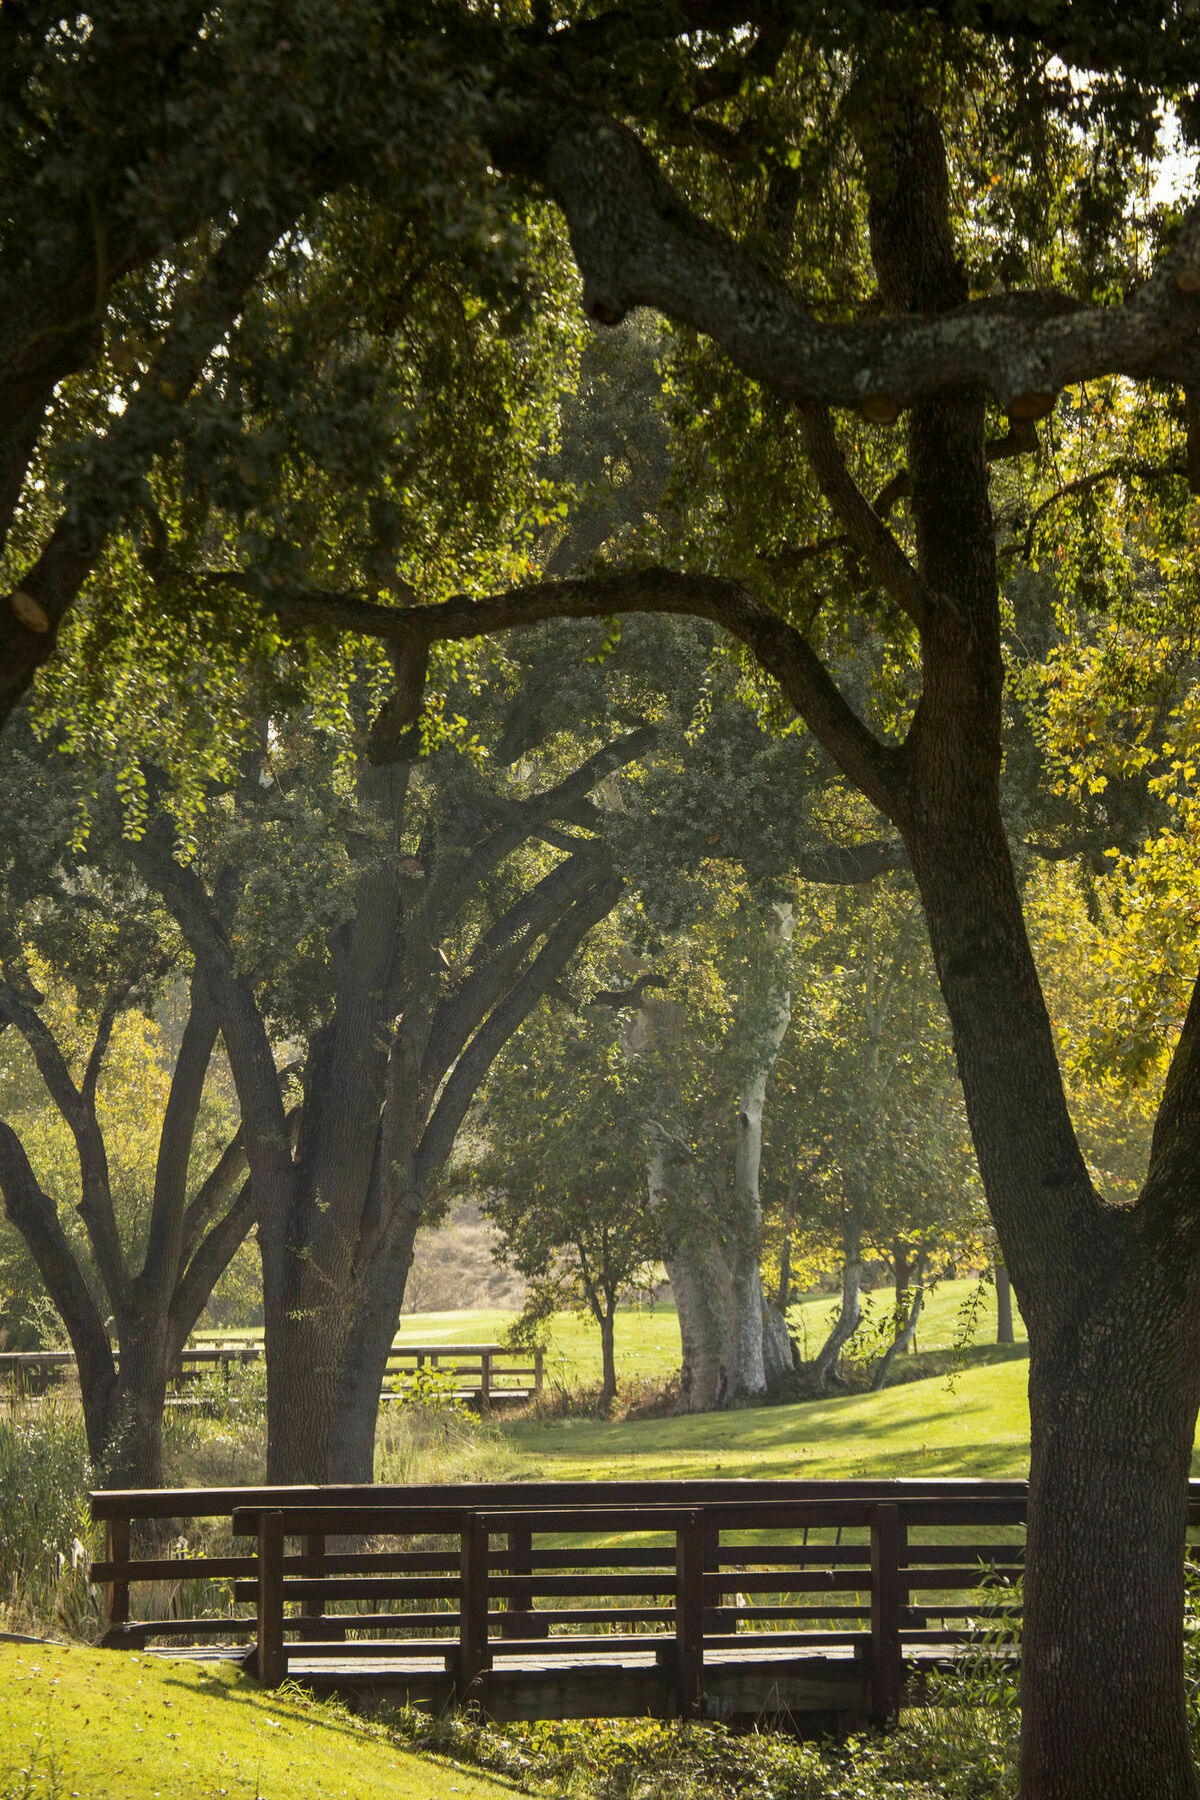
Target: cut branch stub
<point>1188,281</point>
<point>1034,405</point>
<point>880,409</point>
<point>29,611</point>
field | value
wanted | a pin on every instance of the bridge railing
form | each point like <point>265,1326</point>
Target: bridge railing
<point>866,1576</point>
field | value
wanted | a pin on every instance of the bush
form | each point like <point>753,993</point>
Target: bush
<point>46,1535</point>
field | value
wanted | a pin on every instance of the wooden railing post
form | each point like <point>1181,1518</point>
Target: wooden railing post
<point>539,1369</point>
<point>116,1593</point>
<point>272,1656</point>
<point>485,1380</point>
<point>474,1657</point>
<point>887,1667</point>
<point>689,1617</point>
<point>312,1620</point>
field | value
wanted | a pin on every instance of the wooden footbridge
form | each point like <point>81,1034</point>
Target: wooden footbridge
<point>822,1603</point>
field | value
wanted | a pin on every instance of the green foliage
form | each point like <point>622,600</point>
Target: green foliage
<point>564,1172</point>
<point>46,1535</point>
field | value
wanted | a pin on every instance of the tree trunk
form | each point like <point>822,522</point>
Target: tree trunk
<point>700,1284</point>
<point>850,1312</point>
<point>745,1362</point>
<point>1113,1401</point>
<point>1004,1305</point>
<point>778,1360</point>
<point>133,1456</point>
<point>351,1451</point>
<point>608,1384</point>
<point>904,1339</point>
<point>902,1271</point>
<point>783,1292</point>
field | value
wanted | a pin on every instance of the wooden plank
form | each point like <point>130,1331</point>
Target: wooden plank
<point>473,1654</point>
<point>214,1502</point>
<point>354,1521</point>
<point>689,1617</point>
<point>272,1654</point>
<point>519,1618</point>
<point>147,1628</point>
<point>171,1568</point>
<point>318,1591</point>
<point>887,1671</point>
<point>116,1593</point>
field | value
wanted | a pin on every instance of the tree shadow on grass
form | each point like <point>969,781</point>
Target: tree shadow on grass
<point>295,1706</point>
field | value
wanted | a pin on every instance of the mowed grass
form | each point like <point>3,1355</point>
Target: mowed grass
<point>647,1337</point>
<point>979,1426</point>
<point>105,1726</point>
<point>965,1413</point>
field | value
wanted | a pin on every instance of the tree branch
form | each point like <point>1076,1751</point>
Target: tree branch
<point>864,527</point>
<point>527,818</point>
<point>1083,484</point>
<point>498,957</point>
<point>439,1135</point>
<point>638,244</point>
<point>35,1216</point>
<point>108,488</point>
<point>876,768</point>
<point>79,1111</point>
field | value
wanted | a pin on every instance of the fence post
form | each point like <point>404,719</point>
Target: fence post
<point>272,1656</point>
<point>485,1380</point>
<point>689,1617</point>
<point>116,1592</point>
<point>539,1369</point>
<point>474,1658</point>
<point>887,1667</point>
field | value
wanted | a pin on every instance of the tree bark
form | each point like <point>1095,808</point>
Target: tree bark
<point>608,1357</point>
<point>904,1338</point>
<point>1004,1305</point>
<point>850,1312</point>
<point>1113,1403</point>
<point>745,1361</point>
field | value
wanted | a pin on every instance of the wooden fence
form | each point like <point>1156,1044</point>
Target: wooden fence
<point>481,1374</point>
<point>826,1602</point>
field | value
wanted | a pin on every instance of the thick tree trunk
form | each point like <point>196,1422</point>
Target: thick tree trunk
<point>1004,1306</point>
<point>305,1332</point>
<point>133,1457</point>
<point>1114,1390</point>
<point>351,1448</point>
<point>700,1283</point>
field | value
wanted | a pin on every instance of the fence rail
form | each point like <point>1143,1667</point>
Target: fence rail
<point>826,1601</point>
<point>481,1373</point>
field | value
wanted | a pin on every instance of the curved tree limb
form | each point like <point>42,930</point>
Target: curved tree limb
<point>638,244</point>
<point>877,768</point>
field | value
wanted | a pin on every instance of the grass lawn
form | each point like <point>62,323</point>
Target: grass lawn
<point>108,1726</point>
<point>980,1427</point>
<point>647,1337</point>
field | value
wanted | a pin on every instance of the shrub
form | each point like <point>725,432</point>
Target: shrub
<point>46,1535</point>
